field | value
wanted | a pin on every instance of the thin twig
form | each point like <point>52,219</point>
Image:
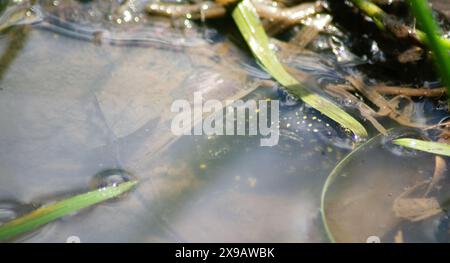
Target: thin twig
<point>411,92</point>
<point>399,90</point>
<point>202,10</point>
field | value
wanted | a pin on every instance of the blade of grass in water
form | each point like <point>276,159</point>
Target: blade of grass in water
<point>46,214</point>
<point>250,26</point>
<point>424,16</point>
<point>332,177</point>
<point>379,17</point>
<point>425,146</point>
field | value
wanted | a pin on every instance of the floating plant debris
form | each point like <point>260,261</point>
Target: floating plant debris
<point>251,28</point>
<point>89,86</point>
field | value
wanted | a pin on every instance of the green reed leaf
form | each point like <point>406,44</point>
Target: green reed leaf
<point>424,16</point>
<point>48,213</point>
<point>425,146</point>
<point>379,17</point>
<point>253,32</point>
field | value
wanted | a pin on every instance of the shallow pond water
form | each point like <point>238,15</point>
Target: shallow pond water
<point>84,102</point>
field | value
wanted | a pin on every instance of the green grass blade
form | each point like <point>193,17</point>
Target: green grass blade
<point>46,214</point>
<point>3,5</point>
<point>250,27</point>
<point>378,15</point>
<point>373,11</point>
<point>425,146</point>
<point>424,16</point>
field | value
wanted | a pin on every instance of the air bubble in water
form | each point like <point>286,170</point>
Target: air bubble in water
<point>110,177</point>
<point>10,210</point>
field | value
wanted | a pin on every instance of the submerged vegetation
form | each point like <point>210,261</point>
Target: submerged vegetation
<point>371,48</point>
<point>51,212</point>
<point>431,147</point>
<point>439,46</point>
<point>248,22</point>
<point>400,30</point>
